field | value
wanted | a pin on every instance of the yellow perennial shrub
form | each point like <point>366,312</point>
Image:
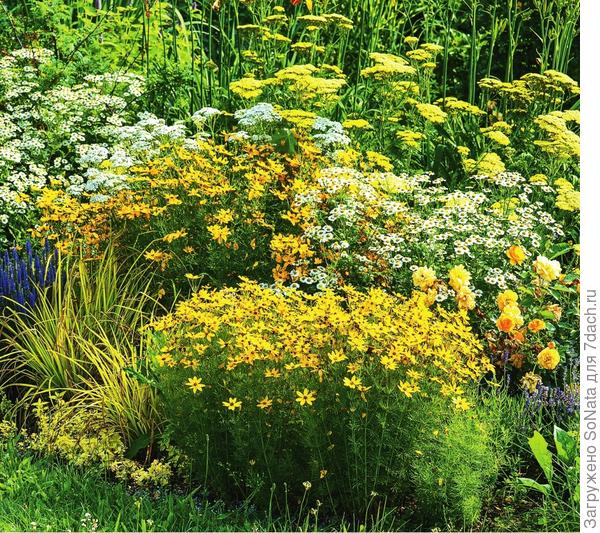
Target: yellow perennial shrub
<point>262,348</point>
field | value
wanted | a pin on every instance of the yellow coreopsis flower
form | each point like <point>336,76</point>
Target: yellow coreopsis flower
<point>219,233</point>
<point>336,356</point>
<point>195,384</point>
<point>388,362</point>
<point>306,397</point>
<point>352,383</point>
<point>461,404</point>
<point>170,237</point>
<point>408,388</point>
<point>265,403</point>
<point>232,404</point>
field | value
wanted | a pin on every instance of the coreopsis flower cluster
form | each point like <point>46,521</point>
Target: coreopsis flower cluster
<point>279,348</point>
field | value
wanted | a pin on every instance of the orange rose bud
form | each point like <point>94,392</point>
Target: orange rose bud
<point>518,336</point>
<point>505,323</point>
<point>536,325</point>
<point>516,255</point>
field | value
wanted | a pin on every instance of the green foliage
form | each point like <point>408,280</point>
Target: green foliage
<point>82,340</point>
<point>45,495</point>
<point>560,468</point>
<point>203,42</point>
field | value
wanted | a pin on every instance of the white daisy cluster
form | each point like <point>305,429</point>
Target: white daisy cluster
<point>381,226</point>
<point>43,130</point>
<point>84,136</point>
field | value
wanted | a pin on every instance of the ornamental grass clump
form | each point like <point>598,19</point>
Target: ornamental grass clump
<point>267,389</point>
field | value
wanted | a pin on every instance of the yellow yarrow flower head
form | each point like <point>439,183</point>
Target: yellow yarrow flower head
<point>411,40</point>
<point>247,88</point>
<point>541,179</point>
<point>432,113</point>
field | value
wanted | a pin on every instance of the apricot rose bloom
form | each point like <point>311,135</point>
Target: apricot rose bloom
<point>505,298</point>
<point>546,269</point>
<point>536,325</point>
<point>548,358</point>
<point>516,255</point>
<point>424,278</point>
<point>506,323</point>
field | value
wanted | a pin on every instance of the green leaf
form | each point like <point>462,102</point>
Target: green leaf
<point>566,446</point>
<point>531,484</point>
<point>542,454</point>
<point>559,249</point>
<point>138,444</point>
<point>284,142</point>
<point>139,377</point>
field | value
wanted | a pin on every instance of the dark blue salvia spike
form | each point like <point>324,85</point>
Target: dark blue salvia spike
<point>50,273</point>
<point>3,282</point>
<point>26,284</point>
<point>39,271</point>
<point>20,298</point>
<point>11,284</point>
<point>23,274</point>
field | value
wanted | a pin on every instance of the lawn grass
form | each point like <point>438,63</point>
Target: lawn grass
<point>45,495</point>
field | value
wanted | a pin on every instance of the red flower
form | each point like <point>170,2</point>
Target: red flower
<point>296,2</point>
